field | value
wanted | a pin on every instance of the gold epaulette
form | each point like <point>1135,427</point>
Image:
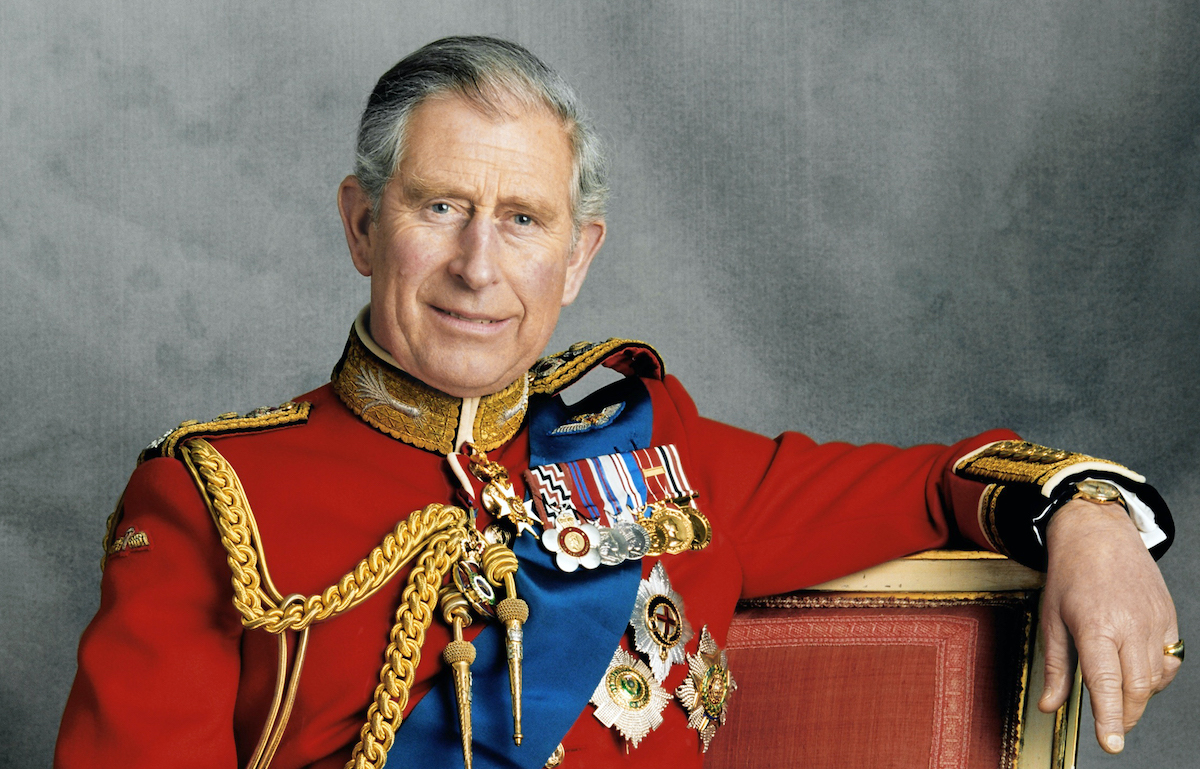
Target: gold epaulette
<point>1024,462</point>
<point>267,418</point>
<point>631,358</point>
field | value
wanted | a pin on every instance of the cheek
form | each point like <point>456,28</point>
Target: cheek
<point>543,292</point>
<point>412,258</point>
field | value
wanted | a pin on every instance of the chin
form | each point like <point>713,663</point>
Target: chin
<point>471,382</point>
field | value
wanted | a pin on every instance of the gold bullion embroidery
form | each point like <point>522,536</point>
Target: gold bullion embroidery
<point>1024,462</point>
<point>629,698</point>
<point>110,530</point>
<point>266,418</point>
<point>705,692</point>
<point>409,410</point>
<point>558,371</point>
<point>987,517</point>
<point>131,541</point>
<point>582,423</point>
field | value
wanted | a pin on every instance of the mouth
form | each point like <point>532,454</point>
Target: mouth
<point>481,321</point>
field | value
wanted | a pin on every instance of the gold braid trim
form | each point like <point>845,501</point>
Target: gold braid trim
<point>417,607</point>
<point>110,530</point>
<point>1024,462</point>
<point>987,517</point>
<point>227,504</point>
<point>437,532</point>
<point>411,411</point>
<point>255,597</point>
<point>289,413</point>
<point>556,372</point>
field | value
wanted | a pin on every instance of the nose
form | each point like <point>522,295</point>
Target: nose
<point>477,262</point>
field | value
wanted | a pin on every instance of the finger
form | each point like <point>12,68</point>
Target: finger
<point>1138,680</point>
<point>1101,668</point>
<point>1170,664</point>
<point>1060,664</point>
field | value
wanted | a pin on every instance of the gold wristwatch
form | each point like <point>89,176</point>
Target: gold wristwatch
<point>1099,491</point>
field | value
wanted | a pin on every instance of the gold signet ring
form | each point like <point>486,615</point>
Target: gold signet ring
<point>1175,649</point>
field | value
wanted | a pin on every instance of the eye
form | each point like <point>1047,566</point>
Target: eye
<point>440,208</point>
<point>523,219</point>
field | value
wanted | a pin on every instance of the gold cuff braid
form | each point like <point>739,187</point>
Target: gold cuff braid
<point>1024,462</point>
<point>436,533</point>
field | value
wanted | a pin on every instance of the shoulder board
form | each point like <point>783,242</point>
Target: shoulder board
<point>629,357</point>
<point>258,420</point>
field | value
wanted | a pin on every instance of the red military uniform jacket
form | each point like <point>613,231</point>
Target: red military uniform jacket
<point>168,676</point>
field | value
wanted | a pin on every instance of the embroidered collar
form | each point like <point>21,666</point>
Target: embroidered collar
<point>371,384</point>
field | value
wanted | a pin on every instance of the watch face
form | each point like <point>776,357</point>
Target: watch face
<point>1098,491</point>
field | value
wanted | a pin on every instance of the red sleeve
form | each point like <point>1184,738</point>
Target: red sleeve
<point>158,665</point>
<point>800,513</point>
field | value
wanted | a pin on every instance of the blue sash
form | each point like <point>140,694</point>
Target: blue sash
<point>575,622</point>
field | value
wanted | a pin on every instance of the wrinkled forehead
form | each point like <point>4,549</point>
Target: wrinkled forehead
<point>500,101</point>
<point>531,136</point>
<point>455,149</point>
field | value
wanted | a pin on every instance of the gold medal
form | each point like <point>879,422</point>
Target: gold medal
<point>701,528</point>
<point>660,628</point>
<point>629,698</point>
<point>498,496</point>
<point>705,691</point>
<point>655,538</point>
<point>675,525</point>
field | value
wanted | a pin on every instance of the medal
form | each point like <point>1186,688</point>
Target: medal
<point>640,501</point>
<point>654,536</point>
<point>675,526</point>
<point>629,698</point>
<point>574,543</point>
<point>701,528</point>
<point>705,691</point>
<point>635,537</point>
<point>659,627</point>
<point>475,588</point>
<point>498,496</point>
<point>497,534</point>
<point>614,549</point>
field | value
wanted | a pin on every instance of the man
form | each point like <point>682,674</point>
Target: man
<point>475,209</point>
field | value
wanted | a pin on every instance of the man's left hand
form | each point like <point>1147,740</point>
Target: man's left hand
<point>1105,599</point>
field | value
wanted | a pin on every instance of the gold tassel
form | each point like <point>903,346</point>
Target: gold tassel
<point>500,566</point>
<point>459,655</point>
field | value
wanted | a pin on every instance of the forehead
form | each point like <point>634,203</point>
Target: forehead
<point>514,149</point>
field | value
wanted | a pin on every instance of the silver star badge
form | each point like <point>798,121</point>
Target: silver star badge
<point>705,691</point>
<point>659,627</point>
<point>629,698</point>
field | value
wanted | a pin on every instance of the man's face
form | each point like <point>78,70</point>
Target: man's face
<point>471,256</point>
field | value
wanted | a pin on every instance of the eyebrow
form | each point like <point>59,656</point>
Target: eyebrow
<point>414,189</point>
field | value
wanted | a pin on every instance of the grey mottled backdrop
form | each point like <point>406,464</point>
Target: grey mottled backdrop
<point>902,221</point>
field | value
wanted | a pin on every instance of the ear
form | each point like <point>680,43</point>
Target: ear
<point>591,237</point>
<point>355,208</point>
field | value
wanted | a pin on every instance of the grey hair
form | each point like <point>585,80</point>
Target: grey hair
<point>486,71</point>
